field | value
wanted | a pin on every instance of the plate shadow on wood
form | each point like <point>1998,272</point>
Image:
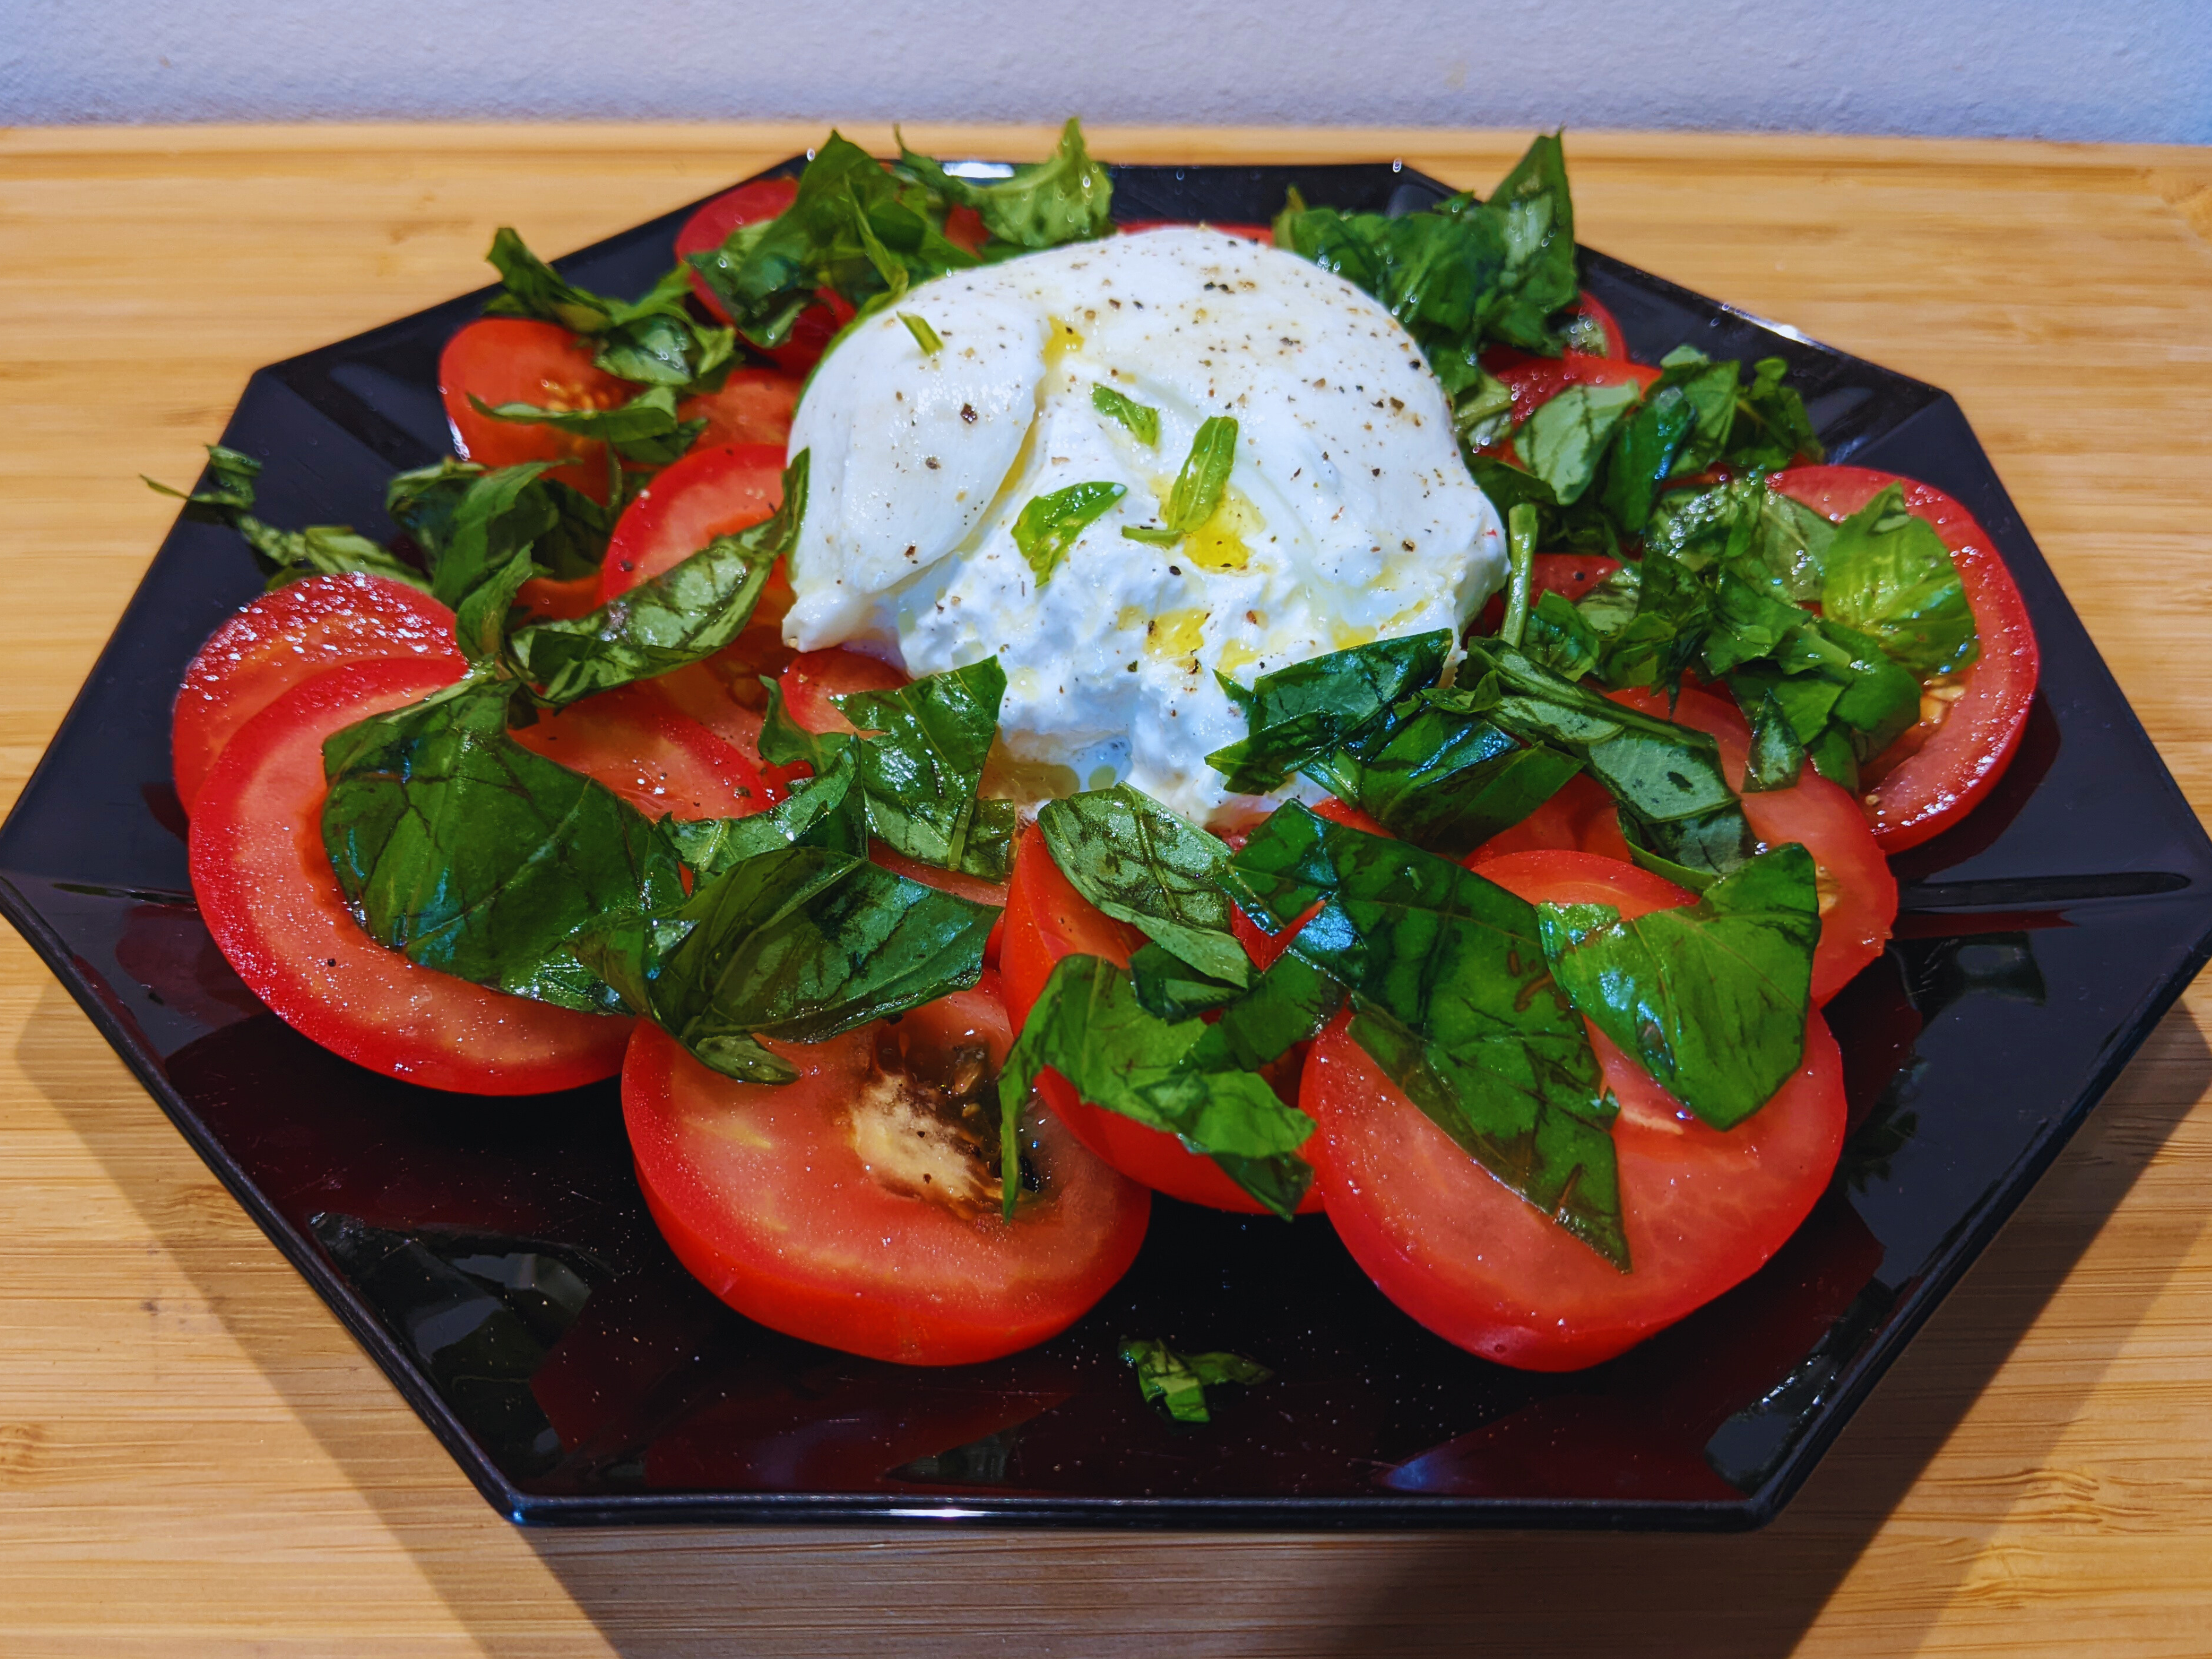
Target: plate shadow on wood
<point>592,1383</point>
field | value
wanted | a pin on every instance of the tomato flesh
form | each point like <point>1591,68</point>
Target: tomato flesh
<point>272,904</point>
<point>813,677</point>
<point>283,638</point>
<point>753,406</point>
<point>1046,919</point>
<point>814,1207</point>
<point>1933,774</point>
<point>504,359</point>
<point>748,205</point>
<point>1616,343</point>
<point>1703,1209</point>
<point>1535,382</point>
<point>632,740</point>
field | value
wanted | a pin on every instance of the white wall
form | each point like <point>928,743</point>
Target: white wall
<point>2117,69</point>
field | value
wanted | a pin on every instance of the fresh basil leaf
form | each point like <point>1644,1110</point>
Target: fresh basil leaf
<point>1171,988</point>
<point>1453,998</point>
<point>1745,623</point>
<point>1298,714</point>
<point>800,944</point>
<point>1640,458</point>
<point>327,550</point>
<point>683,616</point>
<point>1286,1006</point>
<point>1142,422</point>
<point>1088,1025</point>
<point>1564,439</point>
<point>1888,575</point>
<point>1176,1382</point>
<point>1674,801</point>
<point>530,288</point>
<point>1777,759</point>
<point>650,341</point>
<point>1197,489</point>
<point>924,335</point>
<point>646,429</point>
<point>1521,522</point>
<point>455,844</point>
<point>1445,779</point>
<point>480,620</point>
<point>922,763</point>
<point>1789,548</point>
<point>1612,604</point>
<point>1482,412</point>
<point>1559,636</point>
<point>1711,389</point>
<point>1143,865</point>
<point>1709,998</point>
<point>1538,217</point>
<point>1066,199</point>
<point>824,810</point>
<point>1771,428</point>
<point>1047,526</point>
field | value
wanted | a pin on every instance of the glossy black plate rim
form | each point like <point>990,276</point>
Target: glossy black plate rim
<point>1143,192</point>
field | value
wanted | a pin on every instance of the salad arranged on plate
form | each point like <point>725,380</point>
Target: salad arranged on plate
<point>981,714</point>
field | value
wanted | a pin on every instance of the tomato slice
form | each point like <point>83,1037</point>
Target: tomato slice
<point>1581,817</point>
<point>287,636</point>
<point>749,204</point>
<point>1931,777</point>
<point>858,1206</point>
<point>815,677</point>
<point>1858,892</point>
<point>1481,1268</point>
<point>1535,382</point>
<point>272,904</point>
<point>1046,919</point>
<point>755,406</point>
<point>634,741</point>
<point>515,360</point>
<point>1588,305</point>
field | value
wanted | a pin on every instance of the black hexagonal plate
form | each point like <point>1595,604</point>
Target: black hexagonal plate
<point>496,1260</point>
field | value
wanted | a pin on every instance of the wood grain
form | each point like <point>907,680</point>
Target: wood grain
<point>194,1458</point>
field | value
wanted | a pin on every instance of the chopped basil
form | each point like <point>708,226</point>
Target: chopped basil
<point>1887,574</point>
<point>921,761</point>
<point>682,615</point>
<point>653,341</point>
<point>1143,422</point>
<point>1142,864</point>
<point>646,430</point>
<point>1088,1025</point>
<point>1452,997</point>
<point>1066,198</point>
<point>1176,1382</point>
<point>1197,489</point>
<point>1709,998</point>
<point>1565,439</point>
<point>924,335</point>
<point>470,522</point>
<point>1298,714</point>
<point>1047,526</point>
<point>327,550</point>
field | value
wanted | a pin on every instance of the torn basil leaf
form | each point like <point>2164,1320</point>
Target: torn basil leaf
<point>1143,865</point>
<point>1298,714</point>
<point>1176,1382</point>
<point>920,763</point>
<point>1537,215</point>
<point>1887,574</point>
<point>1771,428</point>
<point>924,335</point>
<point>328,550</point>
<point>1709,998</point>
<point>473,855</point>
<point>1141,421</point>
<point>1197,489</point>
<point>1170,987</point>
<point>683,616</point>
<point>470,521</point>
<point>646,430</point>
<point>652,341</point>
<point>1564,439</point>
<point>1047,526</point>
<point>1088,1025</point>
<point>1453,998</point>
<point>1066,198</point>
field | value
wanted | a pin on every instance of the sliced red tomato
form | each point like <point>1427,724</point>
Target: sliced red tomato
<point>541,596</point>
<point>1046,919</point>
<point>815,677</point>
<point>1588,305</point>
<point>755,406</point>
<point>272,905</point>
<point>709,493</point>
<point>1971,728</point>
<point>514,360</point>
<point>634,741</point>
<point>749,204</point>
<point>1535,382</point>
<point>859,1206</point>
<point>1251,233</point>
<point>1581,817</point>
<point>1448,1242</point>
<point>1859,893</point>
<point>287,636</point>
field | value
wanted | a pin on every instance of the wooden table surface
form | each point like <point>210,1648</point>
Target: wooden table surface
<point>196,1459</point>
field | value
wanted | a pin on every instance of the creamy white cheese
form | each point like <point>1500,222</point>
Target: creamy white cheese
<point>1349,515</point>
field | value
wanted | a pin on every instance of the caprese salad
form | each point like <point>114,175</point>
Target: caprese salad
<point>980,715</point>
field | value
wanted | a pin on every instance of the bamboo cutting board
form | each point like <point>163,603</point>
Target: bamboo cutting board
<point>194,1457</point>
